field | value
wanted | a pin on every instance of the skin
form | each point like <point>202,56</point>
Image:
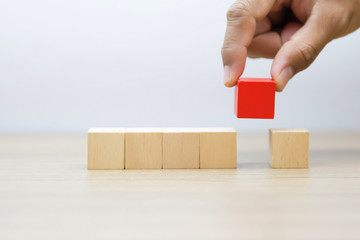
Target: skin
<point>292,32</point>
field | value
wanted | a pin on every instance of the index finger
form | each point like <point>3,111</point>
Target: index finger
<point>241,25</point>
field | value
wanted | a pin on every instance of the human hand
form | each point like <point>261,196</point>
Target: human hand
<point>293,32</point>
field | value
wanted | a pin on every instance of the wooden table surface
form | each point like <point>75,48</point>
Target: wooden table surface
<point>47,193</point>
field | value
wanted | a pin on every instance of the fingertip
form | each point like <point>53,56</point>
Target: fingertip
<point>282,70</point>
<point>279,86</point>
<point>234,60</point>
<point>283,78</point>
<point>230,84</point>
<point>230,77</point>
<point>275,72</point>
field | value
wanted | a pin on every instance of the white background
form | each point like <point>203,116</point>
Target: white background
<point>73,64</point>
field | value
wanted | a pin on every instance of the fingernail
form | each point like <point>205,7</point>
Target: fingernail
<point>227,75</point>
<point>285,75</point>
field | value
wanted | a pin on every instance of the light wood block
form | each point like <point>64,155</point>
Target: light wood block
<point>289,148</point>
<point>143,148</point>
<point>106,148</point>
<point>181,148</point>
<point>218,148</point>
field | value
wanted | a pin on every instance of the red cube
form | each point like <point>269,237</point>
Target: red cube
<point>255,98</point>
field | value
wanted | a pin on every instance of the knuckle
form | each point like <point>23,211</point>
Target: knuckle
<point>229,45</point>
<point>339,18</point>
<point>336,21</point>
<point>238,10</point>
<point>226,51</point>
<point>307,52</point>
<point>342,19</point>
<point>337,15</point>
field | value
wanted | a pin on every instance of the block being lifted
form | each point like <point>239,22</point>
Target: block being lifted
<point>289,148</point>
<point>255,98</point>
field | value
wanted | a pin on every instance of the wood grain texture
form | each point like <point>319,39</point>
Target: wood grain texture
<point>106,148</point>
<point>46,192</point>
<point>143,148</point>
<point>181,148</point>
<point>289,148</point>
<point>218,148</point>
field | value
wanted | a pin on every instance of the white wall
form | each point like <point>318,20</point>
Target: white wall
<point>71,64</point>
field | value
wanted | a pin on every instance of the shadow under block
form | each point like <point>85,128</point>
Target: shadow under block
<point>289,148</point>
<point>218,148</point>
<point>143,148</point>
<point>181,148</point>
<point>106,148</point>
<point>255,98</point>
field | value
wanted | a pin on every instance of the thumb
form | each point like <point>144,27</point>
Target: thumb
<point>301,50</point>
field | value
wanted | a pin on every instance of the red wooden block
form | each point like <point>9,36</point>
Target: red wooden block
<point>255,98</point>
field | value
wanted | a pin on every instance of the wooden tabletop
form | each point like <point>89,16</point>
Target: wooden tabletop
<point>47,193</point>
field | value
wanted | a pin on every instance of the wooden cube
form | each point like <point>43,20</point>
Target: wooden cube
<point>106,148</point>
<point>143,148</point>
<point>289,148</point>
<point>218,148</point>
<point>255,98</point>
<point>181,148</point>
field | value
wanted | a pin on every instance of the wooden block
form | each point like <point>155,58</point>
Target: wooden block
<point>289,148</point>
<point>143,148</point>
<point>255,98</point>
<point>106,148</point>
<point>181,148</point>
<point>218,148</point>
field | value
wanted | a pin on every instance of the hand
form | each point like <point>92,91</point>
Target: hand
<point>293,32</point>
